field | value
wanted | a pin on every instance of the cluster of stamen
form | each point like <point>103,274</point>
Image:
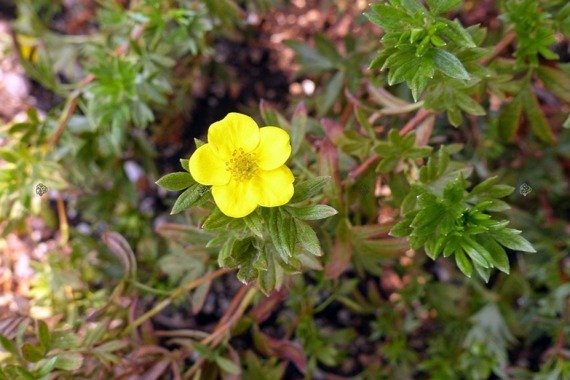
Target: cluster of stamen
<point>241,165</point>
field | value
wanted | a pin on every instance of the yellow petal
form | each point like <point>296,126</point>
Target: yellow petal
<point>235,131</point>
<point>236,199</point>
<point>207,167</point>
<point>274,187</point>
<point>274,148</point>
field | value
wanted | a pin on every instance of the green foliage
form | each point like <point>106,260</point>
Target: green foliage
<point>420,45</point>
<point>354,276</point>
<point>25,166</point>
<point>534,29</point>
<point>398,148</point>
<point>441,216</point>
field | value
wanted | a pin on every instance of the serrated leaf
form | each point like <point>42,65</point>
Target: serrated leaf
<point>315,212</point>
<point>176,181</point>
<point>188,198</point>
<point>450,65</point>
<point>510,238</point>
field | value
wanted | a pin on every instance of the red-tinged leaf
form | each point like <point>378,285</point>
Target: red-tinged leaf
<point>267,305</point>
<point>333,130</point>
<point>341,252</point>
<point>122,249</point>
<point>285,349</point>
<point>156,371</point>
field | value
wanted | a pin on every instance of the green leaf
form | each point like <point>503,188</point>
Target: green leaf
<point>332,92</point>
<point>484,273</point>
<point>475,254</point>
<point>509,119</point>
<point>386,16</point>
<point>510,238</point>
<point>287,231</point>
<point>176,181</point>
<point>315,212</point>
<point>442,6</point>
<point>457,34</point>
<point>69,361</point>
<point>309,188</point>
<point>188,198</point>
<point>216,219</point>
<point>308,238</point>
<point>327,48</point>
<point>228,366</point>
<point>32,353</point>
<point>44,335</point>
<point>536,118</point>
<point>254,223</point>
<point>310,59</point>
<point>498,254</point>
<point>448,64</point>
<point>198,143</point>
<point>463,263</point>
<point>184,163</point>
<point>8,345</point>
<point>555,80</point>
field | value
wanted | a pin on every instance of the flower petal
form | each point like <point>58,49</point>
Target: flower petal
<point>236,199</point>
<point>234,131</point>
<point>207,168</point>
<point>274,148</point>
<point>274,187</point>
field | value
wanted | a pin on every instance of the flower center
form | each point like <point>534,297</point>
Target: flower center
<point>241,165</point>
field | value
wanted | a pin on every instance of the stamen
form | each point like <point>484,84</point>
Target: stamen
<point>241,165</point>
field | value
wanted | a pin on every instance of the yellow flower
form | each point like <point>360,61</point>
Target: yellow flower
<point>245,165</point>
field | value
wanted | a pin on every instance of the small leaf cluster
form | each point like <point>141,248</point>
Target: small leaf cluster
<point>267,243</point>
<point>535,31</point>
<point>24,165</point>
<point>397,148</point>
<point>53,352</point>
<point>420,46</point>
<point>443,218</point>
<point>271,242</point>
